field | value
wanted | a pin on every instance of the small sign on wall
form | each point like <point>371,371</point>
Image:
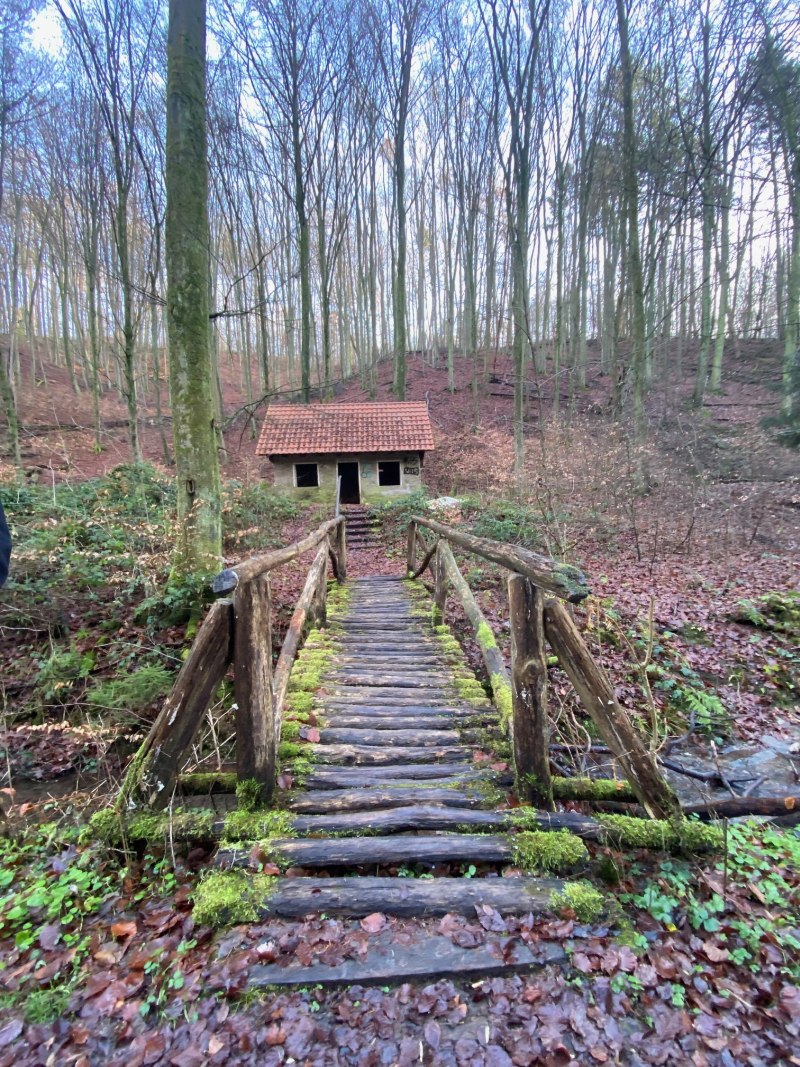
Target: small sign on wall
<point>411,470</point>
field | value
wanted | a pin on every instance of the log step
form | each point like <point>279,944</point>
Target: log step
<point>386,723</point>
<point>409,897</point>
<point>422,680</point>
<point>335,735</point>
<point>391,820</point>
<point>374,797</point>
<point>427,849</point>
<point>370,756</point>
<point>330,777</point>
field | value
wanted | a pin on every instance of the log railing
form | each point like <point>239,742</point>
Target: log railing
<point>537,585</point>
<point>238,631</point>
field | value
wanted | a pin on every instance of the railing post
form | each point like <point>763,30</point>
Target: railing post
<point>256,740</point>
<point>318,611</point>
<point>440,586</point>
<point>341,550</point>
<point>529,692</point>
<point>411,553</point>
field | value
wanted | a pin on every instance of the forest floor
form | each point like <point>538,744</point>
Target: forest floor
<point>693,616</point>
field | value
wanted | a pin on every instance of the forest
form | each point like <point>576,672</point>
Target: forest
<point>407,177</point>
<point>504,770</point>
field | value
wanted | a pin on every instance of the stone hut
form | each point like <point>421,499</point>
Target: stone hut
<point>376,449</point>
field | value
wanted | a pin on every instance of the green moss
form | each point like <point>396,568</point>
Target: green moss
<point>502,698</point>
<point>199,782</point>
<point>524,818</point>
<point>486,638</point>
<point>301,703</point>
<point>299,768</point>
<point>290,728</point>
<point>288,750</point>
<point>688,835</point>
<point>249,794</point>
<point>257,825</point>
<point>104,826</point>
<point>554,851</point>
<point>228,897</point>
<point>580,897</point>
<point>591,789</point>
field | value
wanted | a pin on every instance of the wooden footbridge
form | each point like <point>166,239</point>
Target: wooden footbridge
<point>391,755</point>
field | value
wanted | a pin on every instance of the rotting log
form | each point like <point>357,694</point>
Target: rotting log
<point>614,726</point>
<point>492,657</point>
<point>736,807</point>
<point>294,633</point>
<point>530,732</point>
<point>560,579</point>
<point>251,568</point>
<point>154,769</point>
<point>256,736</point>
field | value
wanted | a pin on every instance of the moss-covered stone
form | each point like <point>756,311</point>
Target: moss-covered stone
<point>686,835</point>
<point>582,898</point>
<point>544,850</point>
<point>224,898</point>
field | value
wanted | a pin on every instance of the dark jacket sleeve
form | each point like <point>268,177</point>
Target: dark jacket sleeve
<point>5,546</point>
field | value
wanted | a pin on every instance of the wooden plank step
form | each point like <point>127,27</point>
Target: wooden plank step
<point>367,755</point>
<point>434,957</point>
<point>409,897</point>
<point>355,696</point>
<point>341,720</point>
<point>420,680</point>
<point>336,735</point>
<point>428,849</point>
<point>369,798</point>
<point>330,777</point>
<point>391,820</point>
<point>388,709</point>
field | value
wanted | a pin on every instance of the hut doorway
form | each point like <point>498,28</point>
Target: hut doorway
<point>351,483</point>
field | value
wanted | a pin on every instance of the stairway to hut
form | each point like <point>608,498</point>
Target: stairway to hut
<point>394,786</point>
<point>360,527</point>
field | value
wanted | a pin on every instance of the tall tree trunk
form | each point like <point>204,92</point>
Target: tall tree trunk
<point>199,546</point>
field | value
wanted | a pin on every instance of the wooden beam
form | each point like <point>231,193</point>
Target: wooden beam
<point>560,579</point>
<point>155,767</point>
<point>229,579</point>
<point>411,547</point>
<point>530,728</point>
<point>440,585</point>
<point>613,723</point>
<point>256,736</point>
<point>495,664</point>
<point>294,634</point>
<point>341,551</point>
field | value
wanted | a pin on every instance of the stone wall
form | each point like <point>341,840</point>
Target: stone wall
<point>371,491</point>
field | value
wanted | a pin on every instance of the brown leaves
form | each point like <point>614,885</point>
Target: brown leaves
<point>374,923</point>
<point>124,929</point>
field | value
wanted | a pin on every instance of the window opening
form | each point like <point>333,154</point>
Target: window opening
<point>306,475</point>
<point>388,472</point>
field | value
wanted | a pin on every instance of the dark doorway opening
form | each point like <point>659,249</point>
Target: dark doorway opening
<point>351,484</point>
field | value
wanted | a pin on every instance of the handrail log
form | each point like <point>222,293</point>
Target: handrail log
<point>291,642</point>
<point>256,565</point>
<point>492,656</point>
<point>612,721</point>
<point>560,579</point>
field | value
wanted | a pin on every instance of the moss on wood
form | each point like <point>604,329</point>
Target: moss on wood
<point>582,898</point>
<point>591,789</point>
<point>224,898</point>
<point>548,850</point>
<point>685,835</point>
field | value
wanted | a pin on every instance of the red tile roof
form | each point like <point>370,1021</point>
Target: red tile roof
<point>308,429</point>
